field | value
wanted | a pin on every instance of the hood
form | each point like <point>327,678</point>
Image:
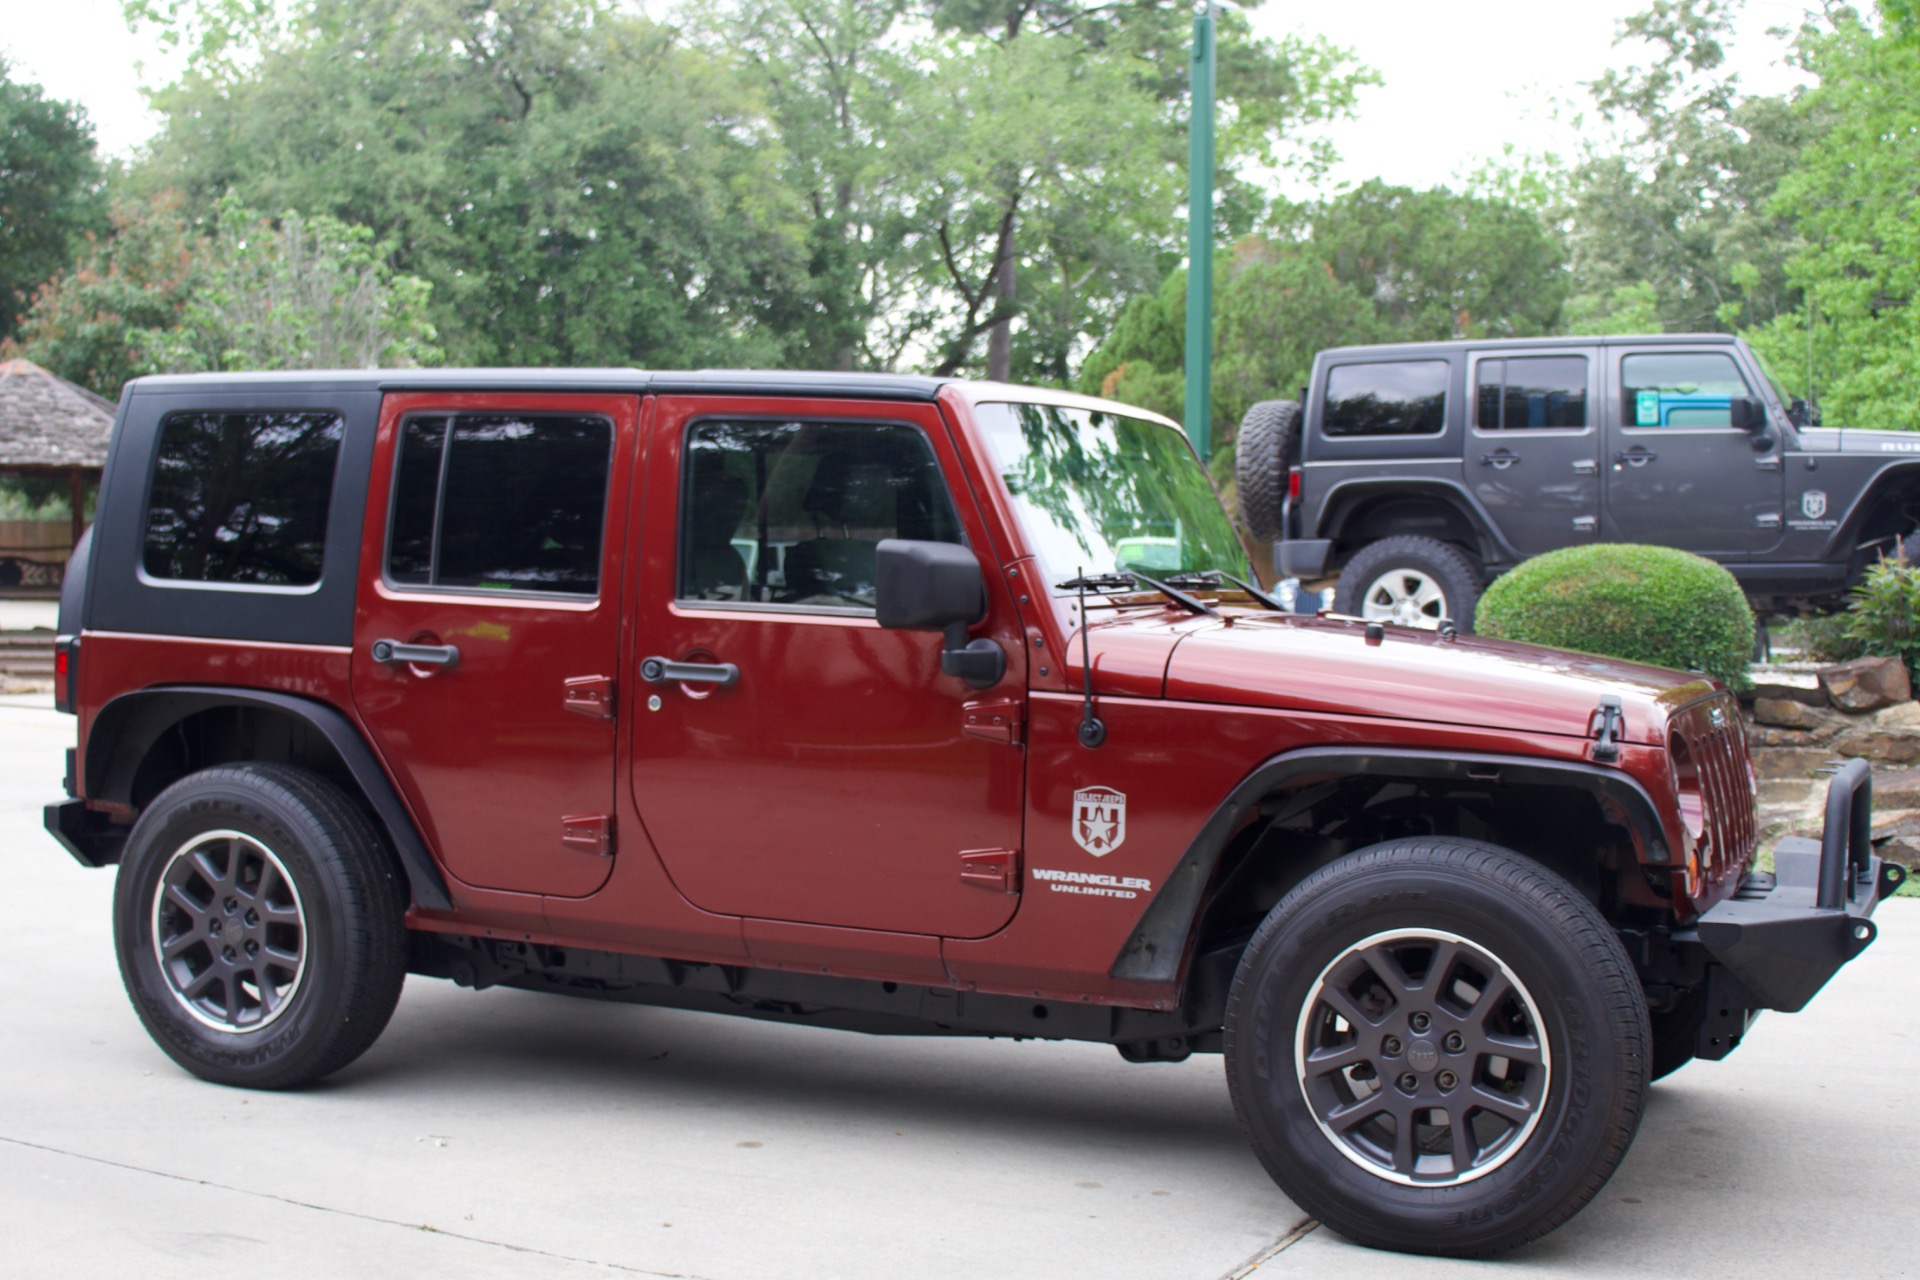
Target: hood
<point>1857,440</point>
<point>1326,665</point>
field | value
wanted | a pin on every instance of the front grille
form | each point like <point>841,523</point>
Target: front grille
<point>1709,746</point>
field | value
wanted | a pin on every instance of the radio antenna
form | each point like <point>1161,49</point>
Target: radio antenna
<point>1092,731</point>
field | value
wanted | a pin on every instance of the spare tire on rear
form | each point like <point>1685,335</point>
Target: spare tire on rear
<point>1268,443</point>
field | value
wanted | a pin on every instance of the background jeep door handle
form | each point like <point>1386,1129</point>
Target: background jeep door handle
<point>419,655</point>
<point>1635,457</point>
<point>1499,461</point>
<point>661,671</point>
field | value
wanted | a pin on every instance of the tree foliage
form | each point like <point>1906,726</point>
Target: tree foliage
<point>1375,264</point>
<point>1856,337</point>
<point>160,295</point>
<point>50,191</point>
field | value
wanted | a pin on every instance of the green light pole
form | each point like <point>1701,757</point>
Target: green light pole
<point>1200,238</point>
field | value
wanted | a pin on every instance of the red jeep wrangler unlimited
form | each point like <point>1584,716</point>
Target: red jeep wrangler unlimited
<point>850,701</point>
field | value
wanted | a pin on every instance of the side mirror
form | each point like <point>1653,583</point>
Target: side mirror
<point>1746,414</point>
<point>938,586</point>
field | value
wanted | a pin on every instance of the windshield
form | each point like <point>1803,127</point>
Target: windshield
<point>1097,493</point>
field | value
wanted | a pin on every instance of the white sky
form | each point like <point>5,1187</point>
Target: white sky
<point>1461,80</point>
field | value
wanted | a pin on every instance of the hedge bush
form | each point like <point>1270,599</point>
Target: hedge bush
<point>1654,605</point>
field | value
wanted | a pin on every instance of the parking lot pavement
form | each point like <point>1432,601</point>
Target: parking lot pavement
<point>501,1133</point>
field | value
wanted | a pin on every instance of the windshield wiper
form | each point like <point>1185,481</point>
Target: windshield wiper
<point>1215,577</point>
<point>1127,580</point>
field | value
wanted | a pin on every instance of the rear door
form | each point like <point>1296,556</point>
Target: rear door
<point>800,762</point>
<point>488,628</point>
<point>1533,447</point>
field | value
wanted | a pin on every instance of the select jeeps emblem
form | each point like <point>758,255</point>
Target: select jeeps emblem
<point>1813,503</point>
<point>1099,820</point>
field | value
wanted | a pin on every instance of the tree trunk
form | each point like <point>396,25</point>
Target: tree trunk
<point>1000,336</point>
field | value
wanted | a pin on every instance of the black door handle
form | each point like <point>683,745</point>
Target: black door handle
<point>662,671</point>
<point>415,655</point>
<point>1499,461</point>
<point>1635,457</point>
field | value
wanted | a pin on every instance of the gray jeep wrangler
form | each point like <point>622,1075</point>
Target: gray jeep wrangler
<point>1415,473</point>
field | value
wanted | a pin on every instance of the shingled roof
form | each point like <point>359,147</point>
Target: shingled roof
<point>47,422</point>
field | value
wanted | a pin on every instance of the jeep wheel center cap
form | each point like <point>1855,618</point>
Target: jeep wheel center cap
<point>1422,1056</point>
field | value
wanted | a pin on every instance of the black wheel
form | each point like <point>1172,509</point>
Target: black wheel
<point>1267,444</point>
<point>1410,581</point>
<point>259,924</point>
<point>1437,1046</point>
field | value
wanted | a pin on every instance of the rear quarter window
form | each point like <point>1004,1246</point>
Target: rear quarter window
<point>1406,398</point>
<point>241,498</point>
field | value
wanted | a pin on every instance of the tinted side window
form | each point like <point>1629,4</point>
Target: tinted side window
<point>1532,393</point>
<point>1685,389</point>
<point>501,502</point>
<point>792,512</point>
<point>1407,399</point>
<point>242,497</point>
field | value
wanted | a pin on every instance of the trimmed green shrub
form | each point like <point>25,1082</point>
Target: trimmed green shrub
<point>1655,605</point>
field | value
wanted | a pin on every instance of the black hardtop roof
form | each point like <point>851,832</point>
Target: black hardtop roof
<point>1430,349</point>
<point>855,386</point>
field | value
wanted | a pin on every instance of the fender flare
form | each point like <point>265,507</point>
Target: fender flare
<point>1346,494</point>
<point>129,725</point>
<point>1156,948</point>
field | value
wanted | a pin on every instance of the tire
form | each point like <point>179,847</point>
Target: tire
<point>281,914</point>
<point>1572,1003</point>
<point>1411,581</point>
<point>1267,444</point>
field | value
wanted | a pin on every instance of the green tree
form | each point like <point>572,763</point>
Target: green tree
<point>576,186</point>
<point>1856,338</point>
<point>1674,193</point>
<point>1376,264</point>
<point>160,296</point>
<point>985,195</point>
<point>50,191</point>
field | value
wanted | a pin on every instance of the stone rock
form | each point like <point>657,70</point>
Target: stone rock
<point>1784,713</point>
<point>1901,715</point>
<point>1896,824</point>
<point>1790,686</point>
<point>1869,742</point>
<point>1896,789</point>
<point>1779,763</point>
<point>1866,684</point>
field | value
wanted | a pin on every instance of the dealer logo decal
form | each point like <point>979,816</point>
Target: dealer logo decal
<point>1099,820</point>
<point>1813,503</point>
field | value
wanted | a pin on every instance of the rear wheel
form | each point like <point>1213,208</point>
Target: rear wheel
<point>258,921</point>
<point>1437,1046</point>
<point>1412,582</point>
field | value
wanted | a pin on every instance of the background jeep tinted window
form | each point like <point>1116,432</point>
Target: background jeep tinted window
<point>1683,389</point>
<point>501,502</point>
<point>1532,393</point>
<point>791,513</point>
<point>1406,399</point>
<point>242,497</point>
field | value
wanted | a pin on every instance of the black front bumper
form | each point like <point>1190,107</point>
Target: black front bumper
<point>1777,941</point>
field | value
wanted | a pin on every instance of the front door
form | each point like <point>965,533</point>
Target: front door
<point>799,762</point>
<point>488,628</point>
<point>1679,474</point>
<point>1534,447</point>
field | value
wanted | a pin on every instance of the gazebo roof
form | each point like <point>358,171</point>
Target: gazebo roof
<point>47,422</point>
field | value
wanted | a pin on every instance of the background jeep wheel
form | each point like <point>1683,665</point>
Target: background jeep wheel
<point>1437,1046</point>
<point>1268,442</point>
<point>1411,581</point>
<point>258,921</point>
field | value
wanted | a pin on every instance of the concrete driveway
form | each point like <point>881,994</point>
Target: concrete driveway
<point>501,1133</point>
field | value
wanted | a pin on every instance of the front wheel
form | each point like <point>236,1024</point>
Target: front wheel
<point>1437,1046</point>
<point>259,922</point>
